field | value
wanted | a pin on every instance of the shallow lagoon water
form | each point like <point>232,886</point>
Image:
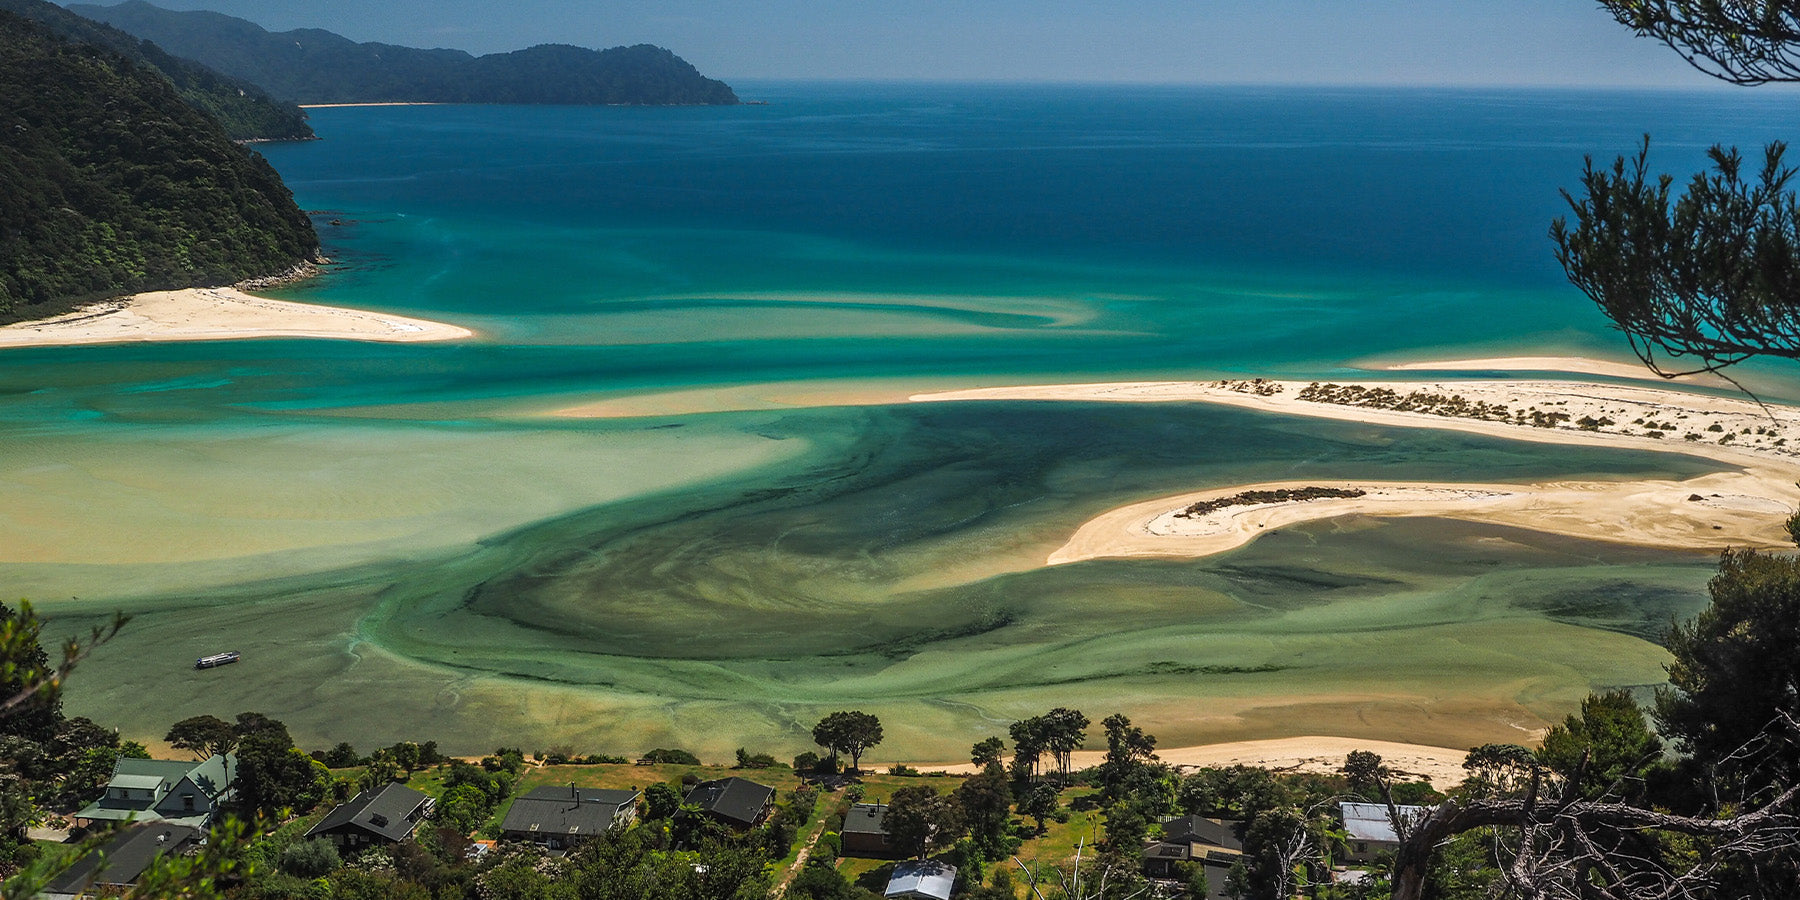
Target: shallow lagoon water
<point>896,565</point>
<point>402,532</point>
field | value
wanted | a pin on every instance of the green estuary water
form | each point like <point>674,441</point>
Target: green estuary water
<point>406,542</point>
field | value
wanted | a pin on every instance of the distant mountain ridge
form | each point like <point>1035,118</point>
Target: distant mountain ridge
<point>311,65</point>
<point>244,109</point>
<point>111,184</point>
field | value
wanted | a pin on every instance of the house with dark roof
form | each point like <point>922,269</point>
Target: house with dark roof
<point>162,790</point>
<point>921,879</point>
<point>560,817</point>
<point>385,815</point>
<point>1211,833</point>
<point>1212,844</point>
<point>737,803</point>
<point>865,833</point>
<point>1371,830</point>
<point>114,866</point>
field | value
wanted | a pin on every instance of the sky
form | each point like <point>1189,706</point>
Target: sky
<point>1351,42</point>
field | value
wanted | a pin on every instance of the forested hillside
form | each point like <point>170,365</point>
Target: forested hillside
<point>110,184</point>
<point>315,66</point>
<point>246,112</point>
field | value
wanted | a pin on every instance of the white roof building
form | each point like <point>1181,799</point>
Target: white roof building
<point>922,880</point>
<point>1370,822</point>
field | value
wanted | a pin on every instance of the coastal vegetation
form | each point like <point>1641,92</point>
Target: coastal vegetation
<point>241,108</point>
<point>1279,495</point>
<point>117,186</point>
<point>316,66</point>
<point>1427,402</point>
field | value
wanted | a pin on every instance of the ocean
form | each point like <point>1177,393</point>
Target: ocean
<point>409,542</point>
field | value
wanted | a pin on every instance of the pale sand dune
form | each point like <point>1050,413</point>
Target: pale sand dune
<point>1740,508</point>
<point>1442,766</point>
<point>211,314</point>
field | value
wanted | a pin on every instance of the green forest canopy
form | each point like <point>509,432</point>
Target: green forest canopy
<point>114,185</point>
<point>246,112</point>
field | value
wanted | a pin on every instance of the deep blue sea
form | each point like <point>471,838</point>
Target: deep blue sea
<point>733,547</point>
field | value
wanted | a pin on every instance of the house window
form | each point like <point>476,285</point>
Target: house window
<point>1362,846</point>
<point>187,802</point>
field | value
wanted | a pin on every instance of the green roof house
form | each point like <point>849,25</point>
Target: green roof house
<point>162,790</point>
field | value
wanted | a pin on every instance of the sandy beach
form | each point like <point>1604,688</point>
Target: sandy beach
<point>1442,766</point>
<point>1745,507</point>
<point>211,314</point>
<point>373,103</point>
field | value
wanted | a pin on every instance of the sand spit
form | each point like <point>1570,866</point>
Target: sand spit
<point>1442,766</point>
<point>1741,508</point>
<point>1729,429</point>
<point>1708,513</point>
<point>211,314</point>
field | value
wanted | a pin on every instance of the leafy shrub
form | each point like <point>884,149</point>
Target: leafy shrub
<point>310,859</point>
<point>673,757</point>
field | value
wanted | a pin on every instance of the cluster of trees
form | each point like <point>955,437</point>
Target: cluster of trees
<point>116,186</point>
<point>1058,733</point>
<point>245,112</point>
<point>317,66</point>
<point>273,776</point>
<point>852,732</point>
<point>46,759</point>
<point>404,756</point>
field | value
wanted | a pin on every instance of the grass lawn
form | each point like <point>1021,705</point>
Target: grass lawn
<point>58,854</point>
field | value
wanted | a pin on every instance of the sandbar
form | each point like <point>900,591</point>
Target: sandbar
<point>1313,754</point>
<point>212,314</point>
<point>1573,365</point>
<point>765,395</point>
<point>1744,507</point>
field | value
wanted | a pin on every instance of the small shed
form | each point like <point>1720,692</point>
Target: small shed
<point>1370,829</point>
<point>865,832</point>
<point>921,879</point>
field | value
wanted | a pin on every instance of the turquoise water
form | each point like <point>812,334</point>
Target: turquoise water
<point>407,518</point>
